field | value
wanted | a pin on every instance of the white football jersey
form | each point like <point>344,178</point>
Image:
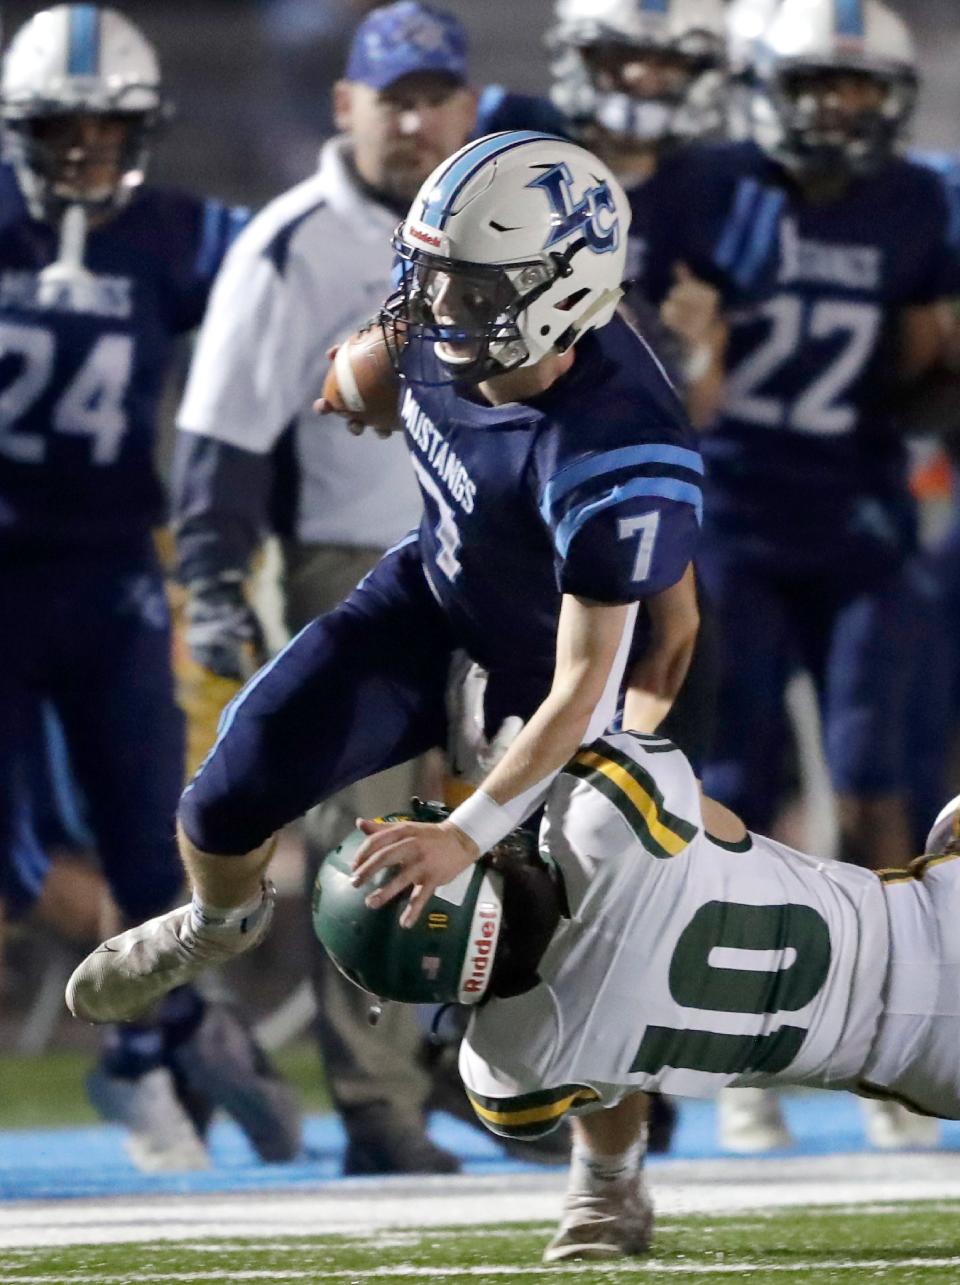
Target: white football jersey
<point>686,963</point>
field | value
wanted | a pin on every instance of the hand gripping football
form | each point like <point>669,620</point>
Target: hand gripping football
<point>362,382</point>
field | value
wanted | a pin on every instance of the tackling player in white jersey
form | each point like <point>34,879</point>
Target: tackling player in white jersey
<point>654,943</point>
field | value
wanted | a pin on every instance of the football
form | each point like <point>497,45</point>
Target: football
<point>362,382</point>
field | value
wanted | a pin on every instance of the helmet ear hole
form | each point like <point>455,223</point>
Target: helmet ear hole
<point>571,301</point>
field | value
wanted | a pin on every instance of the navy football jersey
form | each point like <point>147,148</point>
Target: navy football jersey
<point>81,378</point>
<point>804,455</point>
<point>592,489</point>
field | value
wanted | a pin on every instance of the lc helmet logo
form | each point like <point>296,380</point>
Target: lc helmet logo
<point>595,213</point>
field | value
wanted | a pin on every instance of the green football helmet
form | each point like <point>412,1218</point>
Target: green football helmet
<point>446,957</point>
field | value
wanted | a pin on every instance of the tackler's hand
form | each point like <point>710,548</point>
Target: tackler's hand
<point>418,855</point>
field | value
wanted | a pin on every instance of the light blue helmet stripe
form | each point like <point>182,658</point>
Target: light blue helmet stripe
<point>569,478</point>
<point>657,488</point>
<point>655,6</point>
<point>83,55</point>
<point>438,205</point>
<point>850,18</point>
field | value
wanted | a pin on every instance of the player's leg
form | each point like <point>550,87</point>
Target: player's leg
<point>607,1211</point>
<point>934,698</point>
<point>356,691</point>
<point>866,676</point>
<point>870,650</point>
<point>744,769</point>
<point>754,657</point>
<point>375,1073</point>
<point>124,734</point>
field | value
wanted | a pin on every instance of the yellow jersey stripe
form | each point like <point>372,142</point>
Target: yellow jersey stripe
<point>638,796</point>
<point>533,1115</point>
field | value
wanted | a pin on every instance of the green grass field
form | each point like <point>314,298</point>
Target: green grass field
<point>915,1243</point>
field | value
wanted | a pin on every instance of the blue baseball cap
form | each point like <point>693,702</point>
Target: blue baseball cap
<point>403,38</point>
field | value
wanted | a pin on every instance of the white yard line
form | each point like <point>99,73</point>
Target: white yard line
<point>360,1208</point>
<point>649,1266</point>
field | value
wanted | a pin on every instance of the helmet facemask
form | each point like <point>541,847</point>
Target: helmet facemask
<point>686,105</point>
<point>470,316</point>
<point>93,159</point>
<point>817,134</point>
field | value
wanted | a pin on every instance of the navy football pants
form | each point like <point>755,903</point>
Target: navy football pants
<point>858,645</point>
<point>358,690</point>
<point>91,635</point>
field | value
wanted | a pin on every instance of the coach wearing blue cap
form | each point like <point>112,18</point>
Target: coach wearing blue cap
<point>309,269</point>
<point>404,97</point>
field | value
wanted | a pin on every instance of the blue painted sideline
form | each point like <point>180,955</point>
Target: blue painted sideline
<point>70,1163</point>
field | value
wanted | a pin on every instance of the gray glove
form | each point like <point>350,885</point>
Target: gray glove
<point>223,632</point>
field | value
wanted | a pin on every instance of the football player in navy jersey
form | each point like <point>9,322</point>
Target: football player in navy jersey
<point>633,80</point>
<point>832,252</point>
<point>98,277</point>
<point>561,487</point>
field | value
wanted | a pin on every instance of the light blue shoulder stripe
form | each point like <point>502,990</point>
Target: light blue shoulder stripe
<point>658,488</point>
<point>567,479</point>
<point>761,237</point>
<point>83,53</point>
<point>437,207</point>
<point>748,191</point>
<point>222,224</point>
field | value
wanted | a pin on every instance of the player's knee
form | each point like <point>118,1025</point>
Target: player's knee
<point>219,823</point>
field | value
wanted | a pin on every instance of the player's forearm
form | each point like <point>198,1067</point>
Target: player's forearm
<point>654,681</point>
<point>519,783</point>
<point>219,505</point>
<point>550,738</point>
<point>591,648</point>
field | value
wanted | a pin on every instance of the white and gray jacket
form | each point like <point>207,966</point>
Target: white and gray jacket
<point>312,266</point>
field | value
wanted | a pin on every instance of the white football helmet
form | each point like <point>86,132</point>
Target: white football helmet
<point>591,37</point>
<point>811,40</point>
<point>747,22</point>
<point>513,248</point>
<point>72,61</point>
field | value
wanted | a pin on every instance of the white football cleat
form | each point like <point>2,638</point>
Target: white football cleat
<point>160,1135</point>
<point>750,1121</point>
<point>945,828</point>
<point>891,1127</point>
<point>125,976</point>
<point>615,1223</point>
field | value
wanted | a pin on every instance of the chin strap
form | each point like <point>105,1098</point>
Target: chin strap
<point>67,277</point>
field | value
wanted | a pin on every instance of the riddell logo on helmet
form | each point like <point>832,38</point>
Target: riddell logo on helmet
<point>419,234</point>
<point>481,948</point>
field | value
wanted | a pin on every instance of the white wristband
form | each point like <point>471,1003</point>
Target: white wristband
<point>698,362</point>
<point>483,820</point>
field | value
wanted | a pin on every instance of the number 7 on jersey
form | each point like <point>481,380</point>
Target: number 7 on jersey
<point>647,524</point>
